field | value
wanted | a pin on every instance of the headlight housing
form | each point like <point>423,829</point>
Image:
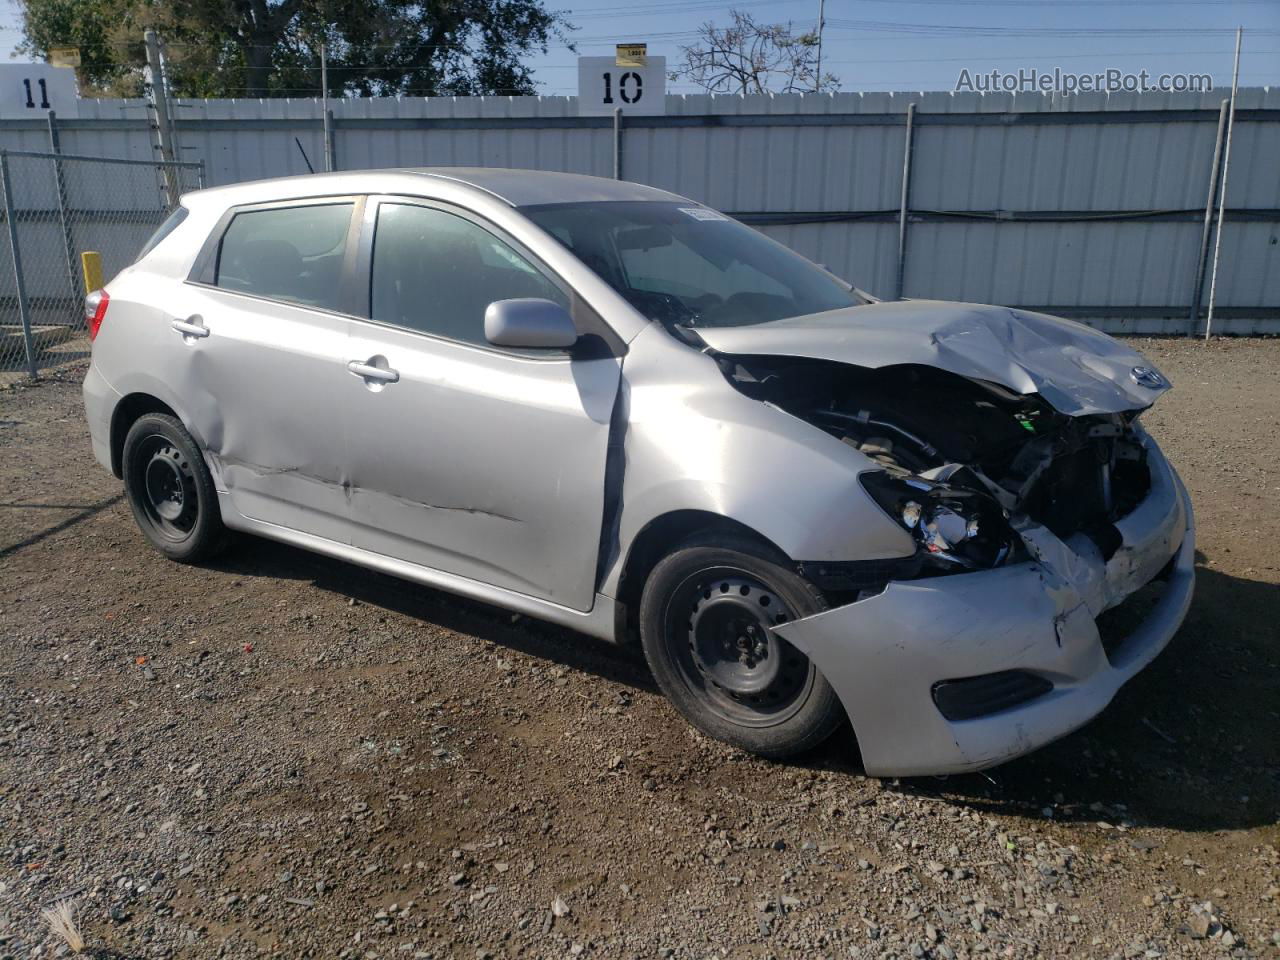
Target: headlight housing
<point>955,527</point>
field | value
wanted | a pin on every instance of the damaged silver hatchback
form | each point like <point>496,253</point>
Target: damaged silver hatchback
<point>613,408</point>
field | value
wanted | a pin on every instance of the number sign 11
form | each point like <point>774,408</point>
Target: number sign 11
<point>30,90</point>
<point>44,93</point>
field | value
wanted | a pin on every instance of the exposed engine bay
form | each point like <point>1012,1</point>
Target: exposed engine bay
<point>965,461</point>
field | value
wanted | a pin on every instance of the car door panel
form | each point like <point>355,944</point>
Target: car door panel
<point>262,389</point>
<point>481,462</point>
<point>259,349</point>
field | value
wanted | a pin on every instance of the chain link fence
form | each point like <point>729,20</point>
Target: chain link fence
<point>55,207</point>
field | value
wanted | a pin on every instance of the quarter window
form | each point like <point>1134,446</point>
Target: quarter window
<point>437,272</point>
<point>287,253</point>
<point>171,223</point>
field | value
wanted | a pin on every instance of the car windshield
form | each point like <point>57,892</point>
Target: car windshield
<point>686,265</point>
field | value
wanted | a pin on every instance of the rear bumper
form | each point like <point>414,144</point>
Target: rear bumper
<point>99,404</point>
<point>884,654</point>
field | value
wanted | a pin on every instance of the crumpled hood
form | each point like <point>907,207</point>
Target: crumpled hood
<point>1076,369</point>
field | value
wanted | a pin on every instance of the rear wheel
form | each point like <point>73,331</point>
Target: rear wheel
<point>706,623</point>
<point>170,490</point>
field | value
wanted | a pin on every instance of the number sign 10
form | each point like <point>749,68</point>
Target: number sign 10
<point>605,87</point>
<point>630,87</point>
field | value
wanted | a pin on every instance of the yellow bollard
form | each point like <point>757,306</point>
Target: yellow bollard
<point>91,264</point>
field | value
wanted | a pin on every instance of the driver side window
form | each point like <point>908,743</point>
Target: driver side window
<point>437,273</point>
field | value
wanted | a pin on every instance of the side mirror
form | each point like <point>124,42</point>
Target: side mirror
<point>529,322</point>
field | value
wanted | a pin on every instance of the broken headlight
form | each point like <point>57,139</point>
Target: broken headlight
<point>953,526</point>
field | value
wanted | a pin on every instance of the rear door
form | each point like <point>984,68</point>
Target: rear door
<point>260,338</point>
<point>483,462</point>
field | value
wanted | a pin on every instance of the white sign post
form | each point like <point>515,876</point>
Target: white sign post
<point>31,90</point>
<point>603,86</point>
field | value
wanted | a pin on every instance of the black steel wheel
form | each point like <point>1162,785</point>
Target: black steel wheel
<point>749,674</point>
<point>707,617</point>
<point>170,490</point>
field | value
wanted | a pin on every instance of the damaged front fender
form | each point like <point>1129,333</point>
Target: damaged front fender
<point>693,443</point>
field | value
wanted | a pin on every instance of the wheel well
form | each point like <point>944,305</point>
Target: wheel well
<point>126,413</point>
<point>658,538</point>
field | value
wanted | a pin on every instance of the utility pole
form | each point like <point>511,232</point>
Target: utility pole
<point>1222,195</point>
<point>822,20</point>
<point>158,93</point>
<point>324,108</point>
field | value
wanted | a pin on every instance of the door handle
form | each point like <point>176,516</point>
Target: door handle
<point>369,372</point>
<point>189,329</point>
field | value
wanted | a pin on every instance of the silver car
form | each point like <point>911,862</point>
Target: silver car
<point>613,408</point>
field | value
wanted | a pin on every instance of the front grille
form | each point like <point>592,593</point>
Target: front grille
<point>969,697</point>
<point>1089,487</point>
<point>1116,625</point>
<point>1073,494</point>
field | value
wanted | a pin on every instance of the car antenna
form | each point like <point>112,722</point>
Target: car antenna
<point>310,168</point>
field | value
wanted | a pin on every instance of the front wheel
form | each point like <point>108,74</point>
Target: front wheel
<point>706,619</point>
<point>170,489</point>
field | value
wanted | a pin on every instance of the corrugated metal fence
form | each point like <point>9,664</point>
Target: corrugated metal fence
<point>1089,206</point>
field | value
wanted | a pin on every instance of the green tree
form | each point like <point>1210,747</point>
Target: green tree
<point>261,48</point>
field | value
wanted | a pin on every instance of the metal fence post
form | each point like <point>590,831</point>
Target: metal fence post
<point>164,121</point>
<point>325,112</point>
<point>200,175</point>
<point>617,143</point>
<point>902,204</point>
<point>1193,321</point>
<point>19,285</point>
<point>60,181</point>
<point>330,144</point>
<point>1222,193</point>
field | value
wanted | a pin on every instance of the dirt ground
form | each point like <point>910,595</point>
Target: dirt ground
<point>283,755</point>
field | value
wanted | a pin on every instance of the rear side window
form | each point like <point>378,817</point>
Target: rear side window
<point>170,224</point>
<point>287,253</point>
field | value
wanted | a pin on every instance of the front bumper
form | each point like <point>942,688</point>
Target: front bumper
<point>884,654</point>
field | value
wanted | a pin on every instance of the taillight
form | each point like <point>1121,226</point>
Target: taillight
<point>95,311</point>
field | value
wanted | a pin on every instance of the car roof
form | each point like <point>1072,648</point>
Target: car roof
<point>519,188</point>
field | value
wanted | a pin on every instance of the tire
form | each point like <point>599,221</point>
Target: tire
<point>170,489</point>
<point>705,615</point>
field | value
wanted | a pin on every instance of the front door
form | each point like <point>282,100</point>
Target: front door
<point>483,462</point>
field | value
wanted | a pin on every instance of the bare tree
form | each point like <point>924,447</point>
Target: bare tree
<point>750,57</point>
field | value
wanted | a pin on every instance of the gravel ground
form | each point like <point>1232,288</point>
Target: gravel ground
<point>283,755</point>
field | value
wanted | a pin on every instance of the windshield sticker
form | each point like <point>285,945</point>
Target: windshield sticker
<point>702,213</point>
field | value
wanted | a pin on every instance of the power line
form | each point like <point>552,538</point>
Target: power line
<point>698,5</point>
<point>951,30</point>
<point>1078,3</point>
<point>407,45</point>
<point>928,30</point>
<point>693,6</point>
<point>980,58</point>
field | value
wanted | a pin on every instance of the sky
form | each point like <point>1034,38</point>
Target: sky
<point>924,44</point>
